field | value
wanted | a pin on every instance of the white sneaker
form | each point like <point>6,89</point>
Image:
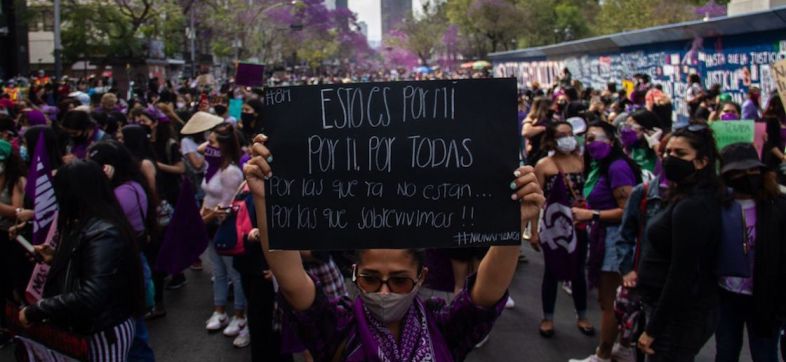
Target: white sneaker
<point>483,341</point>
<point>243,338</point>
<point>510,303</point>
<point>235,325</point>
<point>620,353</point>
<point>216,321</point>
<point>592,358</point>
<point>567,287</point>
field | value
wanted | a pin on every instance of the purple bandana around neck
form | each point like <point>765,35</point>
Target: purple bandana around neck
<point>417,342</point>
<point>213,158</point>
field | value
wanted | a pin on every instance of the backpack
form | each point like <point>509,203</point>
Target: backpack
<point>734,259</point>
<point>230,237</point>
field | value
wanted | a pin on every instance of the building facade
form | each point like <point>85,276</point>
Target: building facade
<point>736,52</point>
<point>394,12</point>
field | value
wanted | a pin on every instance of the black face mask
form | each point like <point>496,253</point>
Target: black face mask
<point>247,119</point>
<point>148,129</point>
<point>748,185</point>
<point>81,139</point>
<point>677,170</point>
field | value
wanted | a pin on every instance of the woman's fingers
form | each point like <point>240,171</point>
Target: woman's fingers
<point>528,189</point>
<point>260,138</point>
<point>262,166</point>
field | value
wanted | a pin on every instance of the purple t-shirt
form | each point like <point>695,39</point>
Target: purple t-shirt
<point>602,197</point>
<point>133,201</point>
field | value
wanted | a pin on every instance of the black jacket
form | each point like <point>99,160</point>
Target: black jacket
<point>769,268</point>
<point>92,284</point>
<point>677,265</point>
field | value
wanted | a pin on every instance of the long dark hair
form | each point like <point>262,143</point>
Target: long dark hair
<point>701,139</point>
<point>83,193</point>
<point>773,125</point>
<point>550,137</point>
<point>136,139</point>
<point>228,144</point>
<point>616,153</point>
<point>14,170</point>
<point>53,147</point>
<point>127,169</point>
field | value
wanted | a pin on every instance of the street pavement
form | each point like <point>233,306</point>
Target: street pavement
<point>180,336</point>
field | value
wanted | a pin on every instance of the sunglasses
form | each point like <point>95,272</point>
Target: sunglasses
<point>372,283</point>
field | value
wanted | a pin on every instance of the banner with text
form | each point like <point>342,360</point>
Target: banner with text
<point>392,165</point>
<point>729,132</point>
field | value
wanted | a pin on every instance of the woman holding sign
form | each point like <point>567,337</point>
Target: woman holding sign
<point>387,321</point>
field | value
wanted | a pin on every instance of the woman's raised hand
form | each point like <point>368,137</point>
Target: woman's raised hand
<point>257,169</point>
<point>528,193</point>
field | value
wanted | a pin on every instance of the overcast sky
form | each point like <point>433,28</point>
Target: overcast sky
<point>368,11</point>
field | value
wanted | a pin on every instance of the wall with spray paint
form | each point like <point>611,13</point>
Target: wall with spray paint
<point>735,62</point>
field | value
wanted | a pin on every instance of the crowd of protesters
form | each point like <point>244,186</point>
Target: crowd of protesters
<point>682,241</point>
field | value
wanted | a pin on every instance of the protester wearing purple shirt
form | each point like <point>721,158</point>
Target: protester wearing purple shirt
<point>617,176</point>
<point>387,322</point>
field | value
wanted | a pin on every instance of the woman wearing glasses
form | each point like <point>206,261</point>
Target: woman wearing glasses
<point>387,322</point>
<point>677,278</point>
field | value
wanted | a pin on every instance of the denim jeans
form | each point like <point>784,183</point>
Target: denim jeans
<point>685,334</point>
<point>140,350</point>
<point>223,271</point>
<point>736,312</point>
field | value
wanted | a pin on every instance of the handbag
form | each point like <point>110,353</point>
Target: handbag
<point>230,237</point>
<point>628,308</point>
<point>734,259</point>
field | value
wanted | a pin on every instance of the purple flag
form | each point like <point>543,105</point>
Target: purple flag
<point>39,190</point>
<point>186,235</point>
<point>557,233</point>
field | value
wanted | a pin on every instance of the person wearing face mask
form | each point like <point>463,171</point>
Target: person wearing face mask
<point>754,303</point>
<point>562,177</point>
<point>640,135</point>
<point>645,201</point>
<point>727,111</point>
<point>82,131</point>
<point>677,270</point>
<point>751,108</point>
<point>617,174</point>
<point>387,321</point>
<point>250,119</point>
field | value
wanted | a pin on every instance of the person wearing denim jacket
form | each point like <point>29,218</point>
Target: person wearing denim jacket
<point>631,226</point>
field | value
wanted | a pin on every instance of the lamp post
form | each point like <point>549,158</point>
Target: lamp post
<point>58,53</point>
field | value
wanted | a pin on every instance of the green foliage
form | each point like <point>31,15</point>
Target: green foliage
<point>103,30</point>
<point>422,35</point>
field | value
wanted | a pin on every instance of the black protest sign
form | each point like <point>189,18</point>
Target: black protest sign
<point>392,165</point>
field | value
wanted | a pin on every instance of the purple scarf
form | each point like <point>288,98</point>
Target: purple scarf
<point>213,159</point>
<point>420,339</point>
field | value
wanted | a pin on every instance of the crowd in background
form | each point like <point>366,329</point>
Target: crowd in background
<point>650,209</point>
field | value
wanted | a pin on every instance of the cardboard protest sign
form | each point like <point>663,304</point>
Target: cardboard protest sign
<point>392,165</point>
<point>729,132</point>
<point>779,73</point>
<point>249,75</point>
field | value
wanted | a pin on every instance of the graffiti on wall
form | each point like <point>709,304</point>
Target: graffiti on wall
<point>736,63</point>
